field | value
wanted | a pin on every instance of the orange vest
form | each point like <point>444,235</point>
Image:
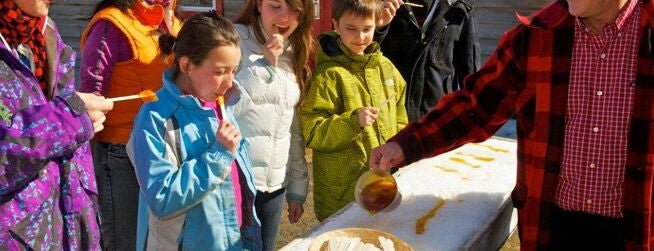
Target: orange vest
<point>142,72</point>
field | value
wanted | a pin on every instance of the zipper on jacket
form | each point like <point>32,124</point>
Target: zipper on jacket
<point>273,151</point>
<point>413,19</point>
<point>274,135</point>
<point>439,53</point>
<point>365,85</point>
<point>415,23</point>
<point>424,50</point>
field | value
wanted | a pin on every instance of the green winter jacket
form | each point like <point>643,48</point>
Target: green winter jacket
<point>340,86</point>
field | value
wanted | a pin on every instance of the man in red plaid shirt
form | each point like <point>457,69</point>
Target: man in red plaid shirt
<point>579,78</point>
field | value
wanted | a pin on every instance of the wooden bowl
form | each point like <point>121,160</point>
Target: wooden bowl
<point>367,235</point>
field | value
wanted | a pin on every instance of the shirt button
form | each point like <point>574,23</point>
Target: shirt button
<point>596,129</point>
<point>603,56</point>
<point>600,93</point>
<point>592,165</point>
<point>619,34</point>
<point>589,201</point>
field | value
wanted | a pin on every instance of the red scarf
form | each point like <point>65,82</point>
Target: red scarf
<point>19,28</point>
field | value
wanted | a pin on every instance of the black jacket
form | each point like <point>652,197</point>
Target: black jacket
<point>433,62</point>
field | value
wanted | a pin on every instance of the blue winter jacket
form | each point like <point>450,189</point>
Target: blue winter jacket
<point>187,200</point>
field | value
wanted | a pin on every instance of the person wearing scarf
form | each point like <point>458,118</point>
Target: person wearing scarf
<point>48,192</point>
<point>120,56</point>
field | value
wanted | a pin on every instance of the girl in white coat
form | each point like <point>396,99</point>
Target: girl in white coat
<point>275,46</point>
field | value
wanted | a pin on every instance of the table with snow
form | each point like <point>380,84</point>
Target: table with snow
<point>474,182</point>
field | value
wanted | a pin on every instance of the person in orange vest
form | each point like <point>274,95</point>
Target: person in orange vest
<point>120,56</point>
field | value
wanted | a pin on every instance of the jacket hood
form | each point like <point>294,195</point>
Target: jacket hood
<point>332,49</point>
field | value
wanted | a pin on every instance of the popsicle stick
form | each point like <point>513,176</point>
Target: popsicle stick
<point>413,4</point>
<point>128,97</point>
<point>390,98</point>
<point>145,96</point>
<point>221,104</point>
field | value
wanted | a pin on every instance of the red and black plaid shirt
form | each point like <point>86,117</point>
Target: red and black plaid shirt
<point>529,76</point>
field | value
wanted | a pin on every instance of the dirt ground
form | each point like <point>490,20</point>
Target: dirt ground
<point>288,232</point>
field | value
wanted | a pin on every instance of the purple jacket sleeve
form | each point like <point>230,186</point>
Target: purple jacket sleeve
<point>38,135</point>
<point>105,46</point>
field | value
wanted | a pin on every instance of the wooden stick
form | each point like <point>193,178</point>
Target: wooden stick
<point>128,97</point>
<point>383,104</point>
<point>221,104</point>
<point>145,96</point>
<point>413,4</point>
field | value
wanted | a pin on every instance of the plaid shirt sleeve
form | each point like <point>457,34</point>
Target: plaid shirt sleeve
<point>489,98</point>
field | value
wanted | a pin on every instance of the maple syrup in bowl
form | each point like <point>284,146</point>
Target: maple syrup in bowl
<point>377,192</point>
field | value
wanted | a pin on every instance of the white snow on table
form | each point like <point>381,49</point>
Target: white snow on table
<point>474,191</point>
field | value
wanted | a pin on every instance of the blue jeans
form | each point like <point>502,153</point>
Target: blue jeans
<point>118,196</point>
<point>269,211</point>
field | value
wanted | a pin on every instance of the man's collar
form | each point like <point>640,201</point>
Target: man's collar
<point>547,17</point>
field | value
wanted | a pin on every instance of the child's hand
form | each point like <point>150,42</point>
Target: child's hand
<point>273,48</point>
<point>367,116</point>
<point>228,136</point>
<point>295,210</point>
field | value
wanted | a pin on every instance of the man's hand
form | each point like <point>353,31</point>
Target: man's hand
<point>388,12</point>
<point>295,211</point>
<point>96,108</point>
<point>385,157</point>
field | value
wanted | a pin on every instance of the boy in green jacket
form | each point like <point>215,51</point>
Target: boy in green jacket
<point>355,103</point>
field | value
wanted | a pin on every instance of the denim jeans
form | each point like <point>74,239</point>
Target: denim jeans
<point>118,196</point>
<point>269,211</point>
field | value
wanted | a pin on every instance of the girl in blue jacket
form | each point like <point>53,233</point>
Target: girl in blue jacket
<point>197,189</point>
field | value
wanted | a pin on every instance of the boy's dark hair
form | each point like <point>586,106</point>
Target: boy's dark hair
<point>199,35</point>
<point>360,8</point>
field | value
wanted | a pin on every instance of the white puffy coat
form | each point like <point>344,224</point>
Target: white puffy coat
<point>268,120</point>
